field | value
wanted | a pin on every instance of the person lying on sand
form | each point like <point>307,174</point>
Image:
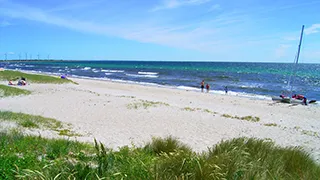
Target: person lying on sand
<point>22,82</point>
<point>11,83</point>
<point>63,77</point>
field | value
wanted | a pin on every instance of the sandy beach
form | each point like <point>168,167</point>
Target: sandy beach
<point>114,114</point>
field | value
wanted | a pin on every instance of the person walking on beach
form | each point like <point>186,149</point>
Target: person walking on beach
<point>226,89</point>
<point>202,85</point>
<point>208,88</point>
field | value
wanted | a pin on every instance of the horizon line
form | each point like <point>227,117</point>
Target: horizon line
<point>137,60</point>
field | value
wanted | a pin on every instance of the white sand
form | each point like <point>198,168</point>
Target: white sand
<point>99,109</point>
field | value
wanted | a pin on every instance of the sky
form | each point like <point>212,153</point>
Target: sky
<point>161,30</point>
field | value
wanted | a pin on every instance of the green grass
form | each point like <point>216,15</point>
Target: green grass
<point>310,133</point>
<point>270,124</point>
<point>6,91</point>
<point>36,122</point>
<point>166,145</point>
<point>29,157</point>
<point>145,104</point>
<point>24,155</point>
<point>67,132</point>
<point>33,78</point>
<point>244,118</point>
<point>189,109</point>
<point>26,120</point>
<point>208,111</point>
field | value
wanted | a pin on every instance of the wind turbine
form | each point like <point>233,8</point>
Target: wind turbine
<point>38,56</point>
<point>26,56</point>
<point>48,56</point>
<point>30,56</point>
<point>19,56</point>
<point>6,56</point>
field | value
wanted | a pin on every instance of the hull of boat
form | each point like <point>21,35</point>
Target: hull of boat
<point>287,100</point>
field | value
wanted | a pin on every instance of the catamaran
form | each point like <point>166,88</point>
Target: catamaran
<point>294,99</point>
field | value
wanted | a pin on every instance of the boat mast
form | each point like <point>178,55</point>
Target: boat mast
<point>297,59</point>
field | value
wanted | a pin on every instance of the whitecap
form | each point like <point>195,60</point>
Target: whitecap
<point>143,76</point>
<point>112,71</point>
<point>148,73</point>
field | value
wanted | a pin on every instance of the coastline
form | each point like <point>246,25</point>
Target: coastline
<point>183,88</point>
<point>105,110</point>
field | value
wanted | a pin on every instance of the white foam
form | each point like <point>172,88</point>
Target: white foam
<point>145,76</point>
<point>107,74</point>
<point>95,70</point>
<point>112,71</point>
<point>86,68</point>
<point>188,88</point>
<point>148,73</point>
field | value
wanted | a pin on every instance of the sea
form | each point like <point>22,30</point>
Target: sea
<point>253,80</point>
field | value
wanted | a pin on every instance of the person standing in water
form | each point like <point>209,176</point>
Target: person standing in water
<point>226,89</point>
<point>202,85</point>
<point>208,88</point>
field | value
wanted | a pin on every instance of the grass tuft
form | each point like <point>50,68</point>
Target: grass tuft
<point>33,122</point>
<point>166,145</point>
<point>145,104</point>
<point>245,118</point>
<point>189,109</point>
<point>6,91</point>
<point>67,132</point>
<point>270,124</point>
<point>28,124</point>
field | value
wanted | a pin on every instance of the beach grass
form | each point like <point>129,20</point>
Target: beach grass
<point>8,75</point>
<point>189,109</point>
<point>34,157</point>
<point>270,124</point>
<point>36,122</point>
<point>6,91</point>
<point>244,118</point>
<point>145,104</point>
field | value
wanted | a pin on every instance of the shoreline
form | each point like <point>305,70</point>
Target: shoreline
<point>180,87</point>
<point>119,114</point>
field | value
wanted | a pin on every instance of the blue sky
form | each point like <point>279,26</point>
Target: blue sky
<point>198,30</point>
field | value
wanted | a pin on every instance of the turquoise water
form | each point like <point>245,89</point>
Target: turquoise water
<point>264,79</point>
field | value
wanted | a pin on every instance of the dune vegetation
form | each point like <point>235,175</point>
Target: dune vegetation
<point>6,91</point>
<point>34,157</point>
<point>8,75</point>
<point>32,122</point>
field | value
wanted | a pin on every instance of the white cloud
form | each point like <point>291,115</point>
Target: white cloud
<point>215,7</point>
<point>315,28</point>
<point>5,23</point>
<point>200,37</point>
<point>218,35</point>
<point>171,4</point>
<point>10,53</point>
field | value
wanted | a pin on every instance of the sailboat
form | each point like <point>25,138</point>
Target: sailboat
<point>295,99</point>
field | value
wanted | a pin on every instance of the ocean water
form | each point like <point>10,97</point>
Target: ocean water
<point>260,80</point>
